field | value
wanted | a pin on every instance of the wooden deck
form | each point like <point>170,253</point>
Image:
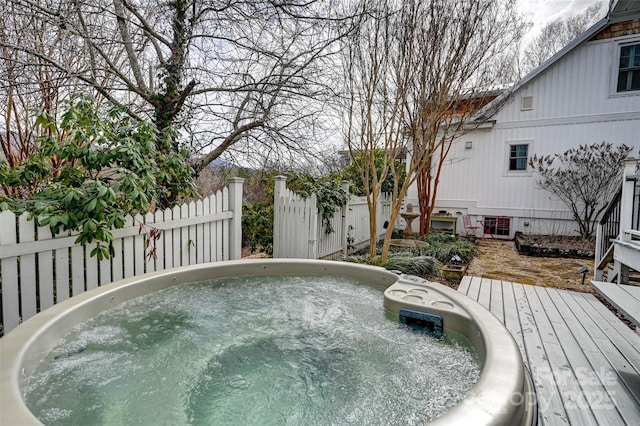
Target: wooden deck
<point>584,361</point>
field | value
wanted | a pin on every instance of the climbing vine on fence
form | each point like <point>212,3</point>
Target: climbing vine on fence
<point>329,194</point>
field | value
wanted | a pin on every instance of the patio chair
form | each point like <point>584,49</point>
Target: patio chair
<point>468,227</point>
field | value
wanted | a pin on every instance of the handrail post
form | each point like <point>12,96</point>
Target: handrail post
<point>626,203</point>
<point>598,274</point>
<point>626,214</point>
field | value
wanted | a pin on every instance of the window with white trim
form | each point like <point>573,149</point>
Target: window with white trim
<point>629,68</point>
<point>518,155</point>
<point>500,225</point>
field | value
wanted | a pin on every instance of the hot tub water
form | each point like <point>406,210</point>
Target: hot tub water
<point>250,350</point>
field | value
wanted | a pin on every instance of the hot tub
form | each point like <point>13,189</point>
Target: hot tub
<point>502,394</point>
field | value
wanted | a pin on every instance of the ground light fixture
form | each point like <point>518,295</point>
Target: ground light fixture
<point>583,271</point>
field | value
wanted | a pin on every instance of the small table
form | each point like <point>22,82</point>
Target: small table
<point>444,224</point>
<point>625,298</point>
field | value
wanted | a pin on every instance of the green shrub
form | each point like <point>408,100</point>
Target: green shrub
<point>404,261</point>
<point>350,173</point>
<point>91,169</point>
<point>445,248</point>
<point>257,226</point>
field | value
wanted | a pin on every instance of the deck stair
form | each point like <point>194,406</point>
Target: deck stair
<point>618,232</point>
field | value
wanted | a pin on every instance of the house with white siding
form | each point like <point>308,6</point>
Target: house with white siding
<point>587,93</point>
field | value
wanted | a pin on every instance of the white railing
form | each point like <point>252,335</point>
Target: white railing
<point>38,270</point>
<point>299,231</point>
<point>620,226</point>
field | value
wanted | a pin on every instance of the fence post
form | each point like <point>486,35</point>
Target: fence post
<point>235,225</point>
<point>313,217</point>
<point>345,221</point>
<point>9,268</point>
<point>279,187</point>
<point>379,216</point>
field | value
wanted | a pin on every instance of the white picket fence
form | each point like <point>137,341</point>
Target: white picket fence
<point>38,270</point>
<point>299,232</point>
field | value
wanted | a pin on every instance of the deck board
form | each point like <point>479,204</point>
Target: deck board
<point>568,387</point>
<point>474,288</point>
<point>511,317</point>
<point>623,337</point>
<point>584,361</point>
<point>614,367</point>
<point>464,284</point>
<point>551,407</point>
<point>484,295</point>
<point>496,300</point>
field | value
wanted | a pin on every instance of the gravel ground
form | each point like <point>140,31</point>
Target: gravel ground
<point>497,259</point>
<point>501,261</point>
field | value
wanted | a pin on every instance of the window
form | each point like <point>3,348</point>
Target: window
<point>518,157</point>
<point>629,68</point>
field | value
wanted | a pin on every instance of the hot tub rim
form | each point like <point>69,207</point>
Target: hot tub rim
<point>35,337</point>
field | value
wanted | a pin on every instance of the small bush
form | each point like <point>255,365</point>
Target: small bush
<point>445,248</point>
<point>405,261</point>
<point>257,226</point>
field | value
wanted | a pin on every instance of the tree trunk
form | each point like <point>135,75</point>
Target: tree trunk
<point>372,203</point>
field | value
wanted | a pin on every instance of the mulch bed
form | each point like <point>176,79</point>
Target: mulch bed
<point>555,246</point>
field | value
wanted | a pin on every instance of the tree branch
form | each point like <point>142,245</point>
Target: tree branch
<point>226,143</point>
<point>128,45</point>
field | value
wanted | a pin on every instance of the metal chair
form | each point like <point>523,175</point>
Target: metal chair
<point>468,227</point>
<point>488,226</point>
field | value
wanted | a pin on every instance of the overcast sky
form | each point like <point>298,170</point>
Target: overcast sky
<point>542,11</point>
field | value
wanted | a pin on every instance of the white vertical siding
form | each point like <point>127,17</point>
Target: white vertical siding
<point>572,105</point>
<point>579,84</point>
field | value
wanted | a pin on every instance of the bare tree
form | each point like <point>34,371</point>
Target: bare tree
<point>557,34</point>
<point>584,180</point>
<point>375,85</point>
<point>461,51</point>
<point>30,84</point>
<point>222,73</point>
<point>416,71</point>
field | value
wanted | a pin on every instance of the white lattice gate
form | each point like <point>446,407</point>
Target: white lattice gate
<point>299,230</point>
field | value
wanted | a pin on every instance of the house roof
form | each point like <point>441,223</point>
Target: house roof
<point>619,10</point>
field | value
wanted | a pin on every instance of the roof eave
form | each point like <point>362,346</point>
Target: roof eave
<point>493,106</point>
<point>590,32</point>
